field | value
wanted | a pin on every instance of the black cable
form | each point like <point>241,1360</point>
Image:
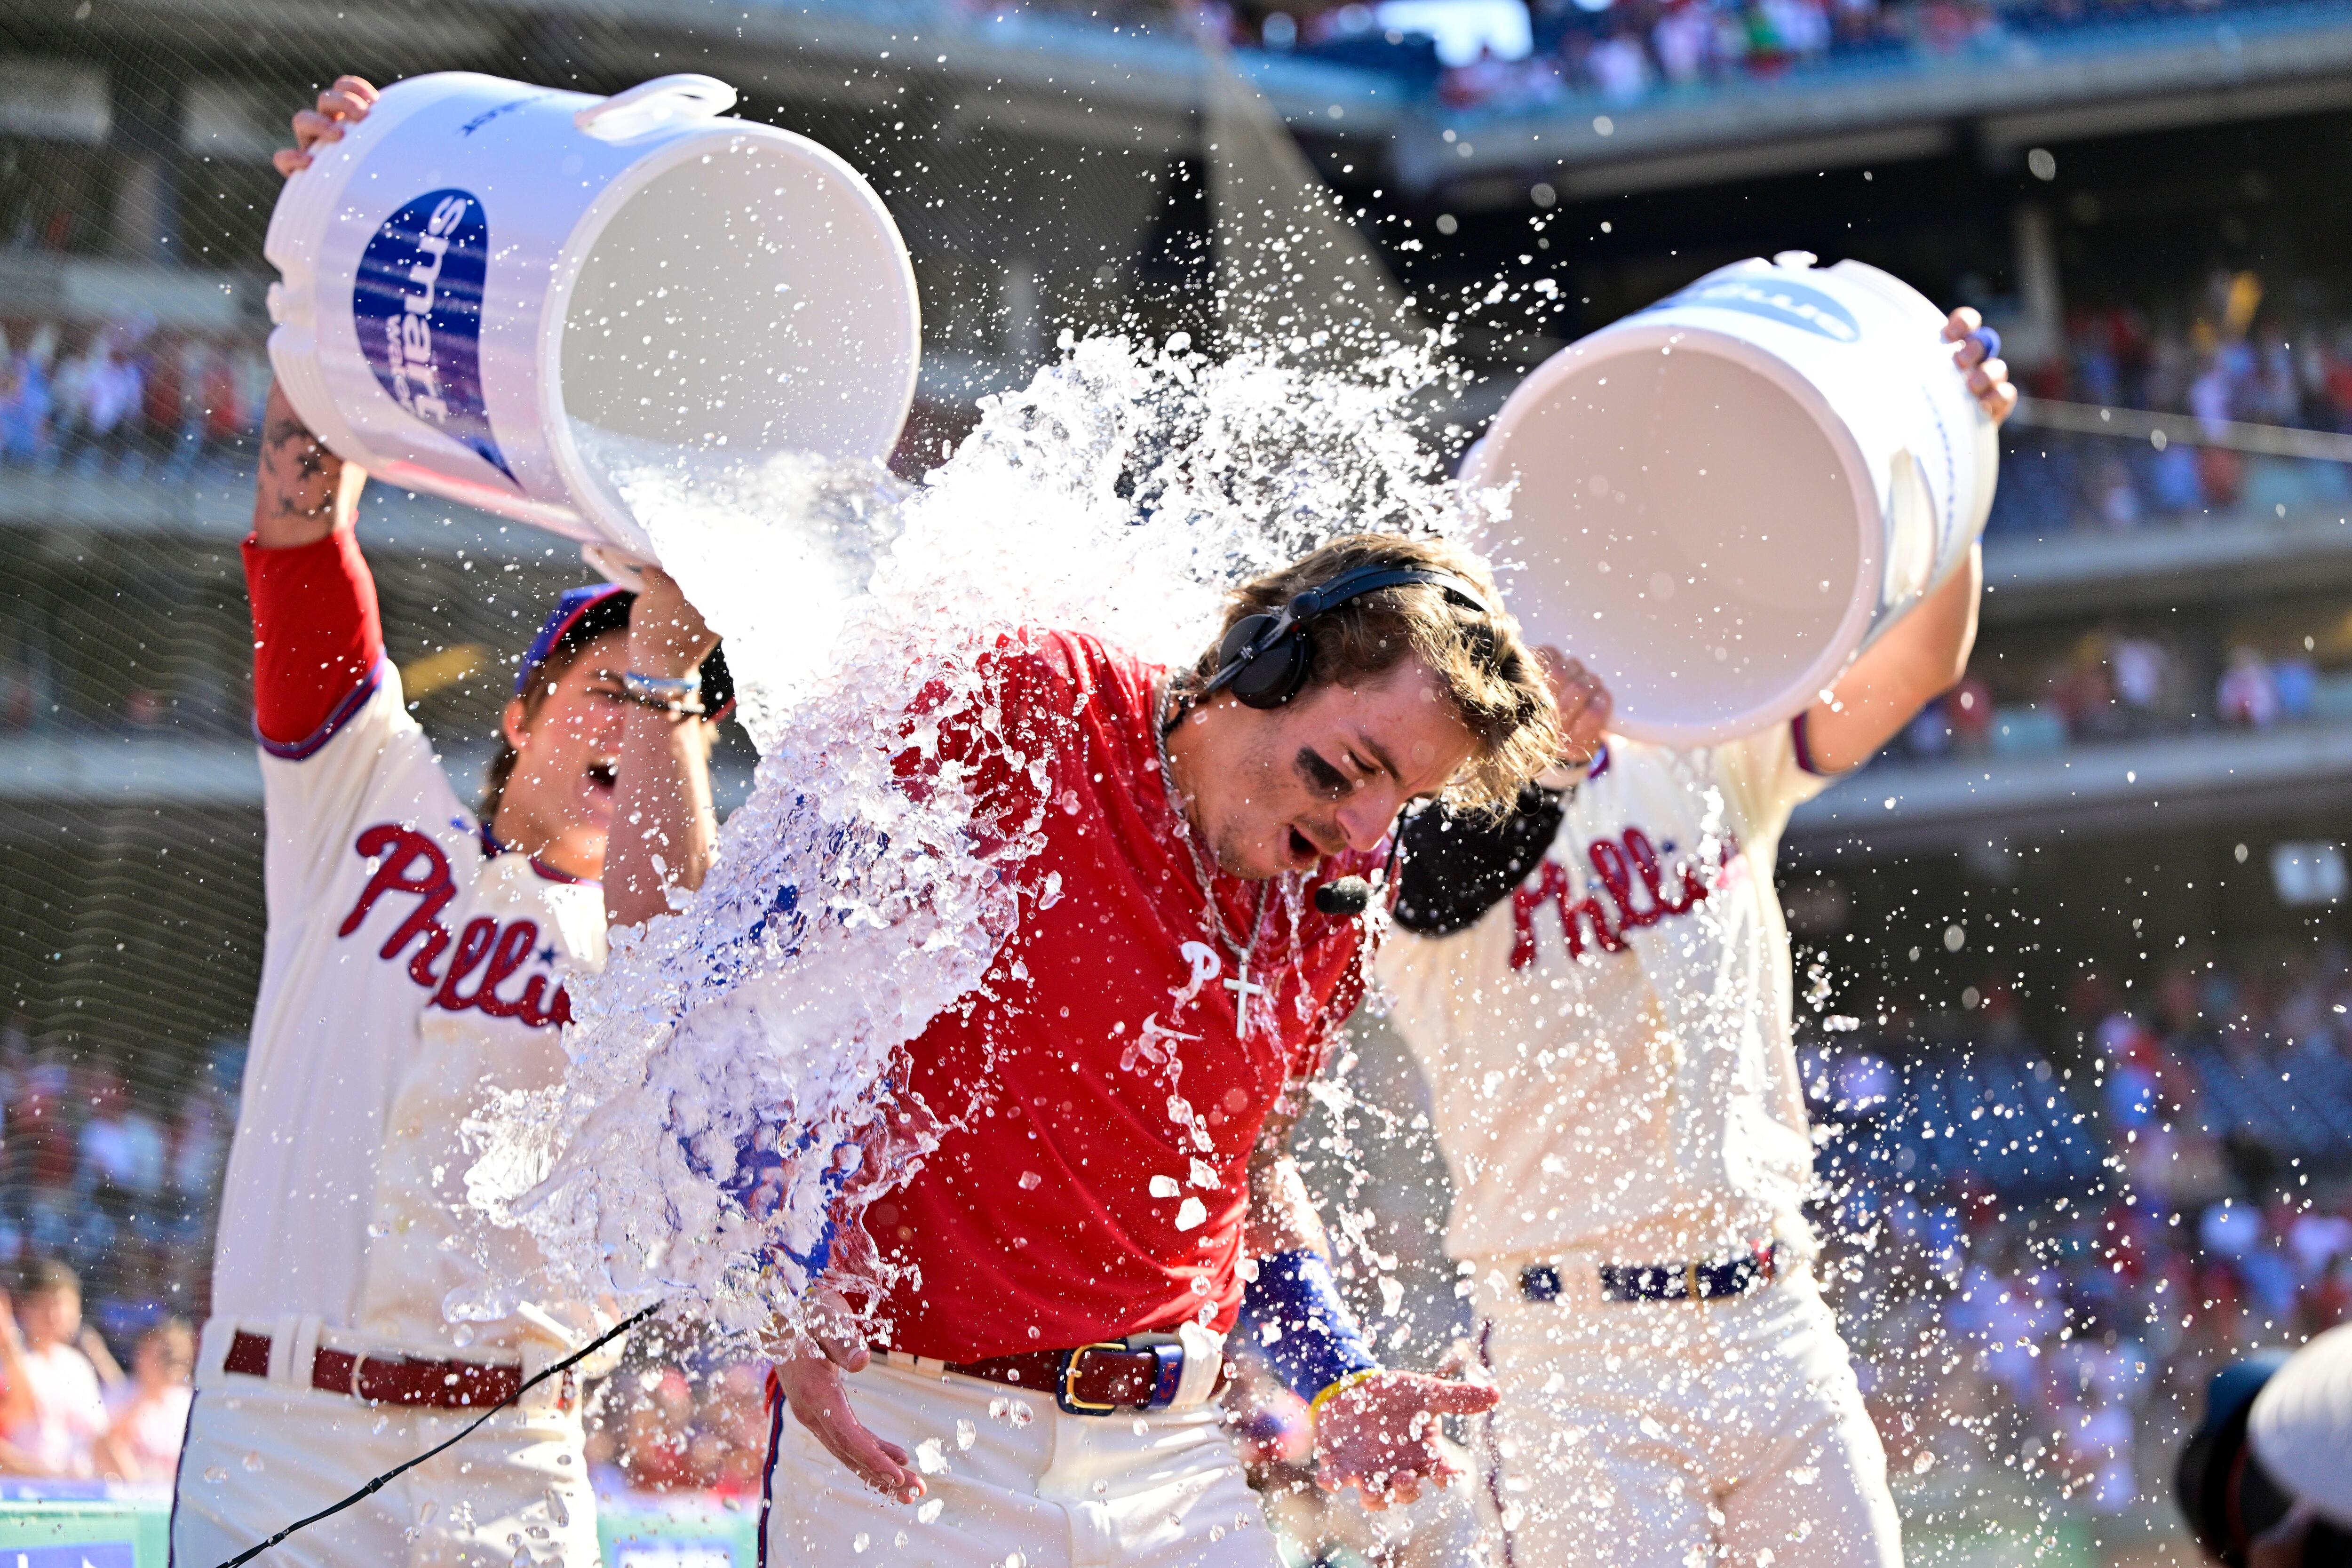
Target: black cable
<point>377,1485</point>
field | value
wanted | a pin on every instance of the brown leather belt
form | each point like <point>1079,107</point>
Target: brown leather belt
<point>1141,1371</point>
<point>389,1380</point>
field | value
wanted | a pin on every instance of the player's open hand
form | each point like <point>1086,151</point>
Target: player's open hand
<point>345,103</point>
<point>819,1400</point>
<point>809,1376</point>
<point>1585,705</point>
<point>1382,1434</point>
<point>1980,357</point>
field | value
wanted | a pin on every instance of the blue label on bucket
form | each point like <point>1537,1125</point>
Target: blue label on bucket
<point>1775,299</point>
<point>418,309</point>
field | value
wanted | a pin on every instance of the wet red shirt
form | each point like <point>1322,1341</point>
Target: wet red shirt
<point>1104,1037</point>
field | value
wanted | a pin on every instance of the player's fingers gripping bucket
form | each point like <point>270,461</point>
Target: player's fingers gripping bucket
<point>501,294</point>
<point>1720,500</point>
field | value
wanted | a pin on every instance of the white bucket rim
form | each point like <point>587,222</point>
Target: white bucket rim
<point>590,228</point>
<point>1635,336</point>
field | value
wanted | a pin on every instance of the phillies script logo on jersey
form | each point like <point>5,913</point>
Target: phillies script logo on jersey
<point>1628,869</point>
<point>487,954</point>
<point>418,309</point>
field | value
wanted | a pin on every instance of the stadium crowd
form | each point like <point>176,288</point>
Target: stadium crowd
<point>1622,52</point>
<point>2216,358</point>
<point>2028,1306</point>
<point>124,396</point>
<point>2121,683</point>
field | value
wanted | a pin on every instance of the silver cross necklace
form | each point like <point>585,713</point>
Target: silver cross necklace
<point>1241,952</point>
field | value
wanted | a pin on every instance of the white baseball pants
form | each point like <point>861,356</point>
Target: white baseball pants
<point>1013,1481</point>
<point>262,1453</point>
<point>1665,1435</point>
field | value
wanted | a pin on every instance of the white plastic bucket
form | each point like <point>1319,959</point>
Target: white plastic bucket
<point>484,277</point>
<point>1720,500</point>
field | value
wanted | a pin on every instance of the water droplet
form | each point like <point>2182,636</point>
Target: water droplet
<point>1031,1181</point>
<point>929,1510</point>
<point>215,1474</point>
<point>966,1436</point>
<point>860,1541</point>
<point>252,1463</point>
<point>1022,1414</point>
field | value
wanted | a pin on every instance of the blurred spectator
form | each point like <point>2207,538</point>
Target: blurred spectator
<point>1619,66</point>
<point>2247,694</point>
<point>2140,667</point>
<point>1683,39</point>
<point>148,1411</point>
<point>121,1146</point>
<point>52,1409</point>
<point>111,389</point>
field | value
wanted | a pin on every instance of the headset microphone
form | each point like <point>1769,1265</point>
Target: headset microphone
<point>1344,896</point>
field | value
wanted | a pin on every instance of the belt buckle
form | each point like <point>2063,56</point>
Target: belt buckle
<point>359,1361</point>
<point>1064,1397</point>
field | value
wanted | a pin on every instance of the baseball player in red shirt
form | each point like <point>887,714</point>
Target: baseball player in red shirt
<point>416,961</point>
<point>1116,1198</point>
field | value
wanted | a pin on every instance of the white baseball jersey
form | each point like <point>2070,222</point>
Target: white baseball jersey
<point>1608,1048</point>
<point>412,969</point>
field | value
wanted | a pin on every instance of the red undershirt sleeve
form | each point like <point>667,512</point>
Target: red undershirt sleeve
<point>317,640</point>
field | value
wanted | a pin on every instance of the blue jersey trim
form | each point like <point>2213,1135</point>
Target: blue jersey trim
<point>344,712</point>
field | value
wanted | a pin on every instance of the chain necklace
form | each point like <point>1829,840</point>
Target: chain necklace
<point>1241,985</point>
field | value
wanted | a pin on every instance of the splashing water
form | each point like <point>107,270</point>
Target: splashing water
<point>726,1118</point>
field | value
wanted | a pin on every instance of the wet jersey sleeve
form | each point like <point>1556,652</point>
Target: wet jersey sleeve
<point>1457,864</point>
<point>340,751</point>
<point>997,731</point>
<point>1769,775</point>
<point>317,641</point>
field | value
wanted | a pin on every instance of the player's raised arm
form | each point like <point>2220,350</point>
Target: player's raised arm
<point>665,828</point>
<point>305,493</point>
<point>316,634</point>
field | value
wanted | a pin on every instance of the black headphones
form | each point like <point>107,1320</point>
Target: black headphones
<point>1266,658</point>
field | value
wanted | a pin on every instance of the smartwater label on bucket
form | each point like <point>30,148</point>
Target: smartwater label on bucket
<point>1775,299</point>
<point>418,309</point>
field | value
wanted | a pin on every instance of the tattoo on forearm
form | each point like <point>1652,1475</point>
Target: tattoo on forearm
<point>302,474</point>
